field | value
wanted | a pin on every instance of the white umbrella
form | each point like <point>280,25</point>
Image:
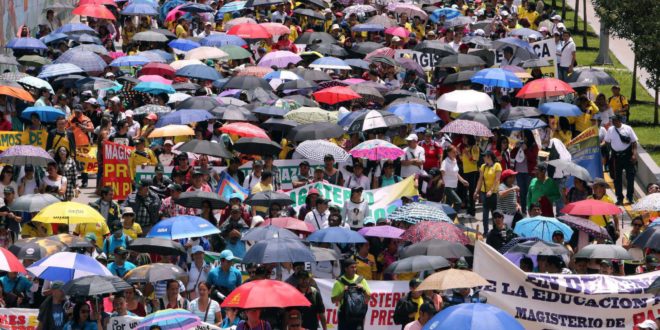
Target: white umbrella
<point>462,101</point>
<point>568,168</point>
<point>317,149</point>
<point>176,65</point>
<point>36,83</point>
<point>648,203</point>
<point>177,97</point>
<point>205,53</point>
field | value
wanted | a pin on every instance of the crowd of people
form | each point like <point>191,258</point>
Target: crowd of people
<point>506,177</point>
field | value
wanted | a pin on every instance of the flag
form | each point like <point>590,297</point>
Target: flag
<point>228,186</point>
<point>585,151</point>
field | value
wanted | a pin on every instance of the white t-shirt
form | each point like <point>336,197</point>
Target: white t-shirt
<point>134,129</point>
<point>409,154</point>
<point>61,182</point>
<point>449,170</point>
<point>318,221</point>
<point>613,138</point>
<point>567,49</point>
<point>352,181</point>
<point>354,213</point>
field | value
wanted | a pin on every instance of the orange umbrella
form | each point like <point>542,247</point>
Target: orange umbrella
<point>543,88</point>
<point>255,71</point>
<point>336,94</point>
<point>172,130</point>
<point>244,130</point>
<point>94,10</point>
<point>16,92</point>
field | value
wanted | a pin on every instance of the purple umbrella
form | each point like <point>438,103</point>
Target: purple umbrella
<point>230,92</point>
<point>382,231</point>
<point>22,155</point>
<point>280,58</point>
<point>585,225</point>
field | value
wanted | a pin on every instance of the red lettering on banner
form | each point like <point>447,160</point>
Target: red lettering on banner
<point>331,315</point>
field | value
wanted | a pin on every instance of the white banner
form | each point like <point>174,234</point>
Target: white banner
<point>380,315</point>
<point>131,322</point>
<point>557,301</point>
<point>545,49</point>
<point>18,318</point>
<point>427,61</point>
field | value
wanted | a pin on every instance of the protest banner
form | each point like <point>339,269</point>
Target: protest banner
<point>565,301</point>
<point>380,315</point>
<point>381,201</point>
<point>131,322</point>
<point>585,151</point>
<point>18,318</point>
<point>115,169</point>
<point>11,138</point>
<point>87,156</point>
<point>427,61</point>
<point>544,49</point>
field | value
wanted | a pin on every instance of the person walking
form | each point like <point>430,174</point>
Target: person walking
<point>488,186</point>
<point>623,142</point>
<point>351,286</point>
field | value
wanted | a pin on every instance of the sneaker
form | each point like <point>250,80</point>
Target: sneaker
<point>619,203</point>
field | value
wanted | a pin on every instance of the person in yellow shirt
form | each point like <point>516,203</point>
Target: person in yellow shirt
<point>36,229</point>
<point>419,28</point>
<point>527,10</point>
<point>583,121</point>
<point>619,103</point>
<point>366,262</point>
<point>293,30</point>
<point>181,29</point>
<point>265,184</point>
<point>469,156</point>
<point>99,229</point>
<point>130,228</point>
<point>599,187</point>
<point>140,156</point>
<point>563,132</point>
<point>488,186</point>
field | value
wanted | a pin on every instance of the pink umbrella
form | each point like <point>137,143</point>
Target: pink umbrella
<point>276,29</point>
<point>353,81</point>
<point>410,10</point>
<point>397,31</point>
<point>174,14</point>
<point>381,52</point>
<point>116,55</point>
<point>155,78</point>
<point>280,58</point>
<point>376,150</point>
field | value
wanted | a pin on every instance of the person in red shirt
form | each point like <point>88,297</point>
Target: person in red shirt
<point>5,125</point>
<point>432,151</point>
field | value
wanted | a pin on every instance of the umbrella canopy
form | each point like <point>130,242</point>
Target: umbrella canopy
<point>94,83</point>
<point>292,224</point>
<point>427,230</point>
<point>199,102</point>
<point>567,167</point>
<point>544,88</point>
<point>184,117</point>
<point>496,77</point>
<point>160,69</point>
<point>219,40</point>
<point>16,92</point>
<point>170,319</point>
<point>603,251</point>
<point>538,248</point>
<point>95,285</point>
<point>244,130</point>
<point>156,272</point>
<point>486,118</point>
<point>154,88</point>
<point>196,200</point>
<point>33,202</point>
<point>591,207</point>
<point>336,235</point>
<point>314,131</point>
<point>150,36</point>
<point>93,10</point>
<point>26,44</point>
<point>263,233</point>
<point>309,115</point>
<point>308,38</point>
<point>416,264</point>
<point>277,124</point>
<point>523,124</point>
<point>649,238</point>
<point>151,108</point>
<point>649,203</point>
<point>522,112</point>
<point>275,250</point>
<point>452,279</point>
<point>86,60</point>
<point>436,247</point>
<point>317,149</point>
<point>542,227</point>
<point>71,241</point>
<point>183,226</point>
<point>467,127</point>
<point>9,262</point>
<point>199,71</point>
<point>66,266</point>
<point>560,109</point>
<point>585,225</point>
<point>249,31</point>
<point>435,47</point>
<point>172,130</point>
<point>376,149</point>
<point>418,212</point>
<point>330,63</point>
<point>461,101</point>
<point>246,83</point>
<point>461,61</point>
<point>162,246</point>
<point>334,95</point>
<point>257,146</point>
<point>414,113</point>
<point>70,213</point>
<point>25,154</point>
<point>374,119</point>
<point>204,147</point>
<point>586,77</point>
<point>132,60</point>
<point>473,316</point>
<point>10,60</point>
<point>265,294</point>
<point>139,9</point>
<point>35,248</point>
<point>236,52</point>
<point>54,70</point>
<point>35,83</point>
<point>206,53</point>
<point>381,231</point>
<point>267,198</point>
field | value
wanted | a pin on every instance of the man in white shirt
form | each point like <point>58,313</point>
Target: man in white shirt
<point>255,176</point>
<point>278,15</point>
<point>509,59</point>
<point>413,157</point>
<point>318,218</point>
<point>357,178</point>
<point>623,141</point>
<point>566,55</point>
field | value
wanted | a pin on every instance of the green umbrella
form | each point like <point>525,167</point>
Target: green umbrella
<point>34,60</point>
<point>235,52</point>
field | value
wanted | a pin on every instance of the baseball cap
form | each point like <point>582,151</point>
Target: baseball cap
<point>175,187</point>
<point>115,99</point>
<point>606,262</point>
<point>335,27</point>
<point>415,282</point>
<point>227,255</point>
<point>258,163</point>
<point>357,189</point>
<point>168,142</point>
<point>197,249</point>
<point>313,191</point>
<point>120,250</point>
<point>412,137</point>
<point>91,101</point>
<point>128,210</point>
<point>159,168</point>
<point>152,116</point>
<point>56,285</point>
<point>561,26</point>
<point>139,140</point>
<point>109,74</point>
<point>556,17</point>
<point>128,113</point>
<point>600,182</point>
<point>304,163</point>
<point>507,173</point>
<point>9,190</point>
<point>498,212</point>
<point>647,324</point>
<point>396,39</point>
<point>237,196</point>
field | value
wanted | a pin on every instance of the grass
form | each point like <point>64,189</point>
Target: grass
<point>641,112</point>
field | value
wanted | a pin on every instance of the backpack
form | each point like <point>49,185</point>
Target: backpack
<point>353,305</point>
<point>397,179</point>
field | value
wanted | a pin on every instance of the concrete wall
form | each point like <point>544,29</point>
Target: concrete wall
<point>647,170</point>
<point>14,13</point>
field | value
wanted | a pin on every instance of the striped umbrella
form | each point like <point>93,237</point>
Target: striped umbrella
<point>66,266</point>
<point>317,149</point>
<point>170,319</point>
<point>417,212</point>
<point>466,127</point>
<point>9,262</point>
<point>61,69</point>
<point>376,150</point>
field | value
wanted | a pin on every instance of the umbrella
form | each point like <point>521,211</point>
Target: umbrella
<point>418,212</point>
<point>156,272</point>
<point>94,83</point>
<point>413,113</point>
<point>194,7</point>
<point>199,102</point>
<point>276,250</point>
<point>522,112</point>
<point>334,95</point>
<point>538,248</point>
<point>367,27</point>
<point>158,56</point>
<point>330,63</point>
<point>35,83</point>
<point>219,40</point>
<point>523,124</point>
<point>205,53</point>
<point>16,92</point>
<point>152,108</point>
<point>473,316</point>
<point>416,264</point>
<point>591,207</point>
<point>309,13</point>
<point>92,10</point>
<point>249,31</point>
<point>649,238</point>
<point>317,149</point>
<point>289,223</point>
<point>276,124</point>
<point>257,146</point>
<point>32,202</point>
<point>567,167</point>
<point>310,115</point>
<point>452,279</point>
<point>309,38</point>
<point>461,61</point>
<point>246,83</point>
<point>497,77</point>
<point>70,213</point>
<point>35,248</point>
<point>376,149</point>
<point>267,198</point>
<point>486,118</point>
<point>648,203</point>
<point>368,93</point>
<point>542,227</point>
<point>397,31</point>
<point>381,231</point>
<point>263,233</point>
<point>244,130</point>
<point>13,76</point>
<point>603,251</point>
<point>9,262</point>
<point>95,285</point>
<point>435,47</point>
<point>66,266</point>
<point>585,225</point>
<point>525,33</point>
<point>325,254</point>
<point>329,50</point>
<point>357,63</point>
<point>53,70</point>
<point>154,88</point>
<point>204,147</point>
<point>654,288</point>
<point>196,199</point>
<point>150,36</point>
<point>276,29</point>
<point>544,88</point>
<point>460,101</point>
<point>535,63</point>
<point>172,130</point>
<point>314,131</point>
<point>296,85</point>
<point>86,60</point>
<point>313,75</point>
<point>170,319</point>
<point>236,52</point>
<point>467,127</point>
<point>560,109</point>
<point>265,294</point>
<point>586,77</point>
<point>427,230</point>
<point>338,235</point>
<point>184,117</point>
<point>447,13</point>
<point>34,60</point>
<point>160,69</point>
<point>46,114</point>
<point>177,97</point>
<point>359,9</point>
<point>9,60</point>
<point>232,7</point>
<point>364,48</point>
<point>72,28</point>
<point>139,9</point>
<point>26,44</point>
<point>183,226</point>
<point>162,246</point>
<point>71,241</point>
<point>198,71</point>
<point>436,247</point>
<point>132,60</point>
<point>451,213</point>
<point>381,20</point>
<point>155,78</point>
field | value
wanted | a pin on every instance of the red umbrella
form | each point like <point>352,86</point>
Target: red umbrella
<point>244,130</point>
<point>97,2</point>
<point>265,294</point>
<point>591,207</point>
<point>276,29</point>
<point>290,223</point>
<point>160,69</point>
<point>545,87</point>
<point>96,11</point>
<point>250,31</point>
<point>334,95</point>
<point>9,262</point>
<point>427,230</point>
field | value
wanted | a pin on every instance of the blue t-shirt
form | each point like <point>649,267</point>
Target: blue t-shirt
<point>230,280</point>
<point>58,316</point>
<point>88,325</point>
<point>237,249</point>
<point>111,243</point>
<point>120,271</point>
<point>20,283</point>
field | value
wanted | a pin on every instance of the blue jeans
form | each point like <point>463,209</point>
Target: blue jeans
<point>523,180</point>
<point>562,72</point>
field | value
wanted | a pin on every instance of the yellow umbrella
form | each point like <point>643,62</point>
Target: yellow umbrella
<point>452,279</point>
<point>172,130</point>
<point>70,213</point>
<point>309,115</point>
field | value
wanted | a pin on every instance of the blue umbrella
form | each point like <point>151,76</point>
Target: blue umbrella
<point>154,88</point>
<point>183,226</point>
<point>473,316</point>
<point>86,60</point>
<point>157,55</point>
<point>168,6</point>
<point>449,211</point>
<point>542,227</point>
<point>560,109</point>
<point>448,13</point>
<point>276,250</point>
<point>66,266</point>
<point>193,7</point>
<point>232,7</point>
<point>46,114</point>
<point>367,28</point>
<point>219,40</point>
<point>139,9</point>
<point>518,44</point>
<point>268,232</point>
<point>414,113</point>
<point>523,124</point>
<point>331,63</point>
<point>183,44</point>
<point>52,70</point>
<point>496,77</point>
<point>184,117</point>
<point>336,235</point>
<point>86,39</point>
<point>26,43</point>
<point>54,37</point>
<point>131,60</point>
<point>350,117</point>
<point>74,28</point>
<point>358,63</point>
<point>199,71</point>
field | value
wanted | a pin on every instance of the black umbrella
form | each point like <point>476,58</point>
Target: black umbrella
<point>522,112</point>
<point>435,47</point>
<point>375,119</point>
<point>436,247</point>
<point>278,124</point>
<point>478,41</point>
<point>311,75</point>
<point>486,55</point>
<point>416,264</point>
<point>246,83</point>
<point>268,232</point>
<point>198,102</point>
<point>94,83</point>
<point>539,248</point>
<point>487,118</point>
<point>384,60</point>
<point>317,3</point>
<point>32,202</point>
<point>329,50</point>
<point>128,79</point>
<point>67,81</point>
<point>186,86</point>
<point>397,93</point>
<point>205,147</point>
<point>603,251</point>
<point>296,84</point>
<point>366,47</point>
<point>302,99</point>
<point>458,21</point>
<point>195,200</point>
<point>152,273</point>
<point>654,288</point>
<point>278,250</point>
<point>162,246</point>
<point>324,254</point>
<point>648,239</point>
<point>255,3</point>
<point>462,77</point>
<point>309,13</point>
<point>461,61</point>
<point>257,146</point>
<point>225,112</point>
<point>267,198</point>
<point>95,285</point>
<point>535,63</point>
<point>315,131</point>
<point>31,249</point>
<point>309,38</point>
<point>358,63</point>
<point>165,32</point>
<point>587,76</point>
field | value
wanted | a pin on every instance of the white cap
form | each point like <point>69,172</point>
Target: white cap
<point>335,27</point>
<point>396,39</point>
<point>168,142</point>
<point>109,74</point>
<point>454,6</point>
<point>479,32</point>
<point>561,26</point>
<point>556,17</point>
<point>647,324</point>
<point>412,137</point>
<point>86,93</point>
<point>504,13</point>
<point>91,101</point>
<point>115,99</point>
<point>128,113</point>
